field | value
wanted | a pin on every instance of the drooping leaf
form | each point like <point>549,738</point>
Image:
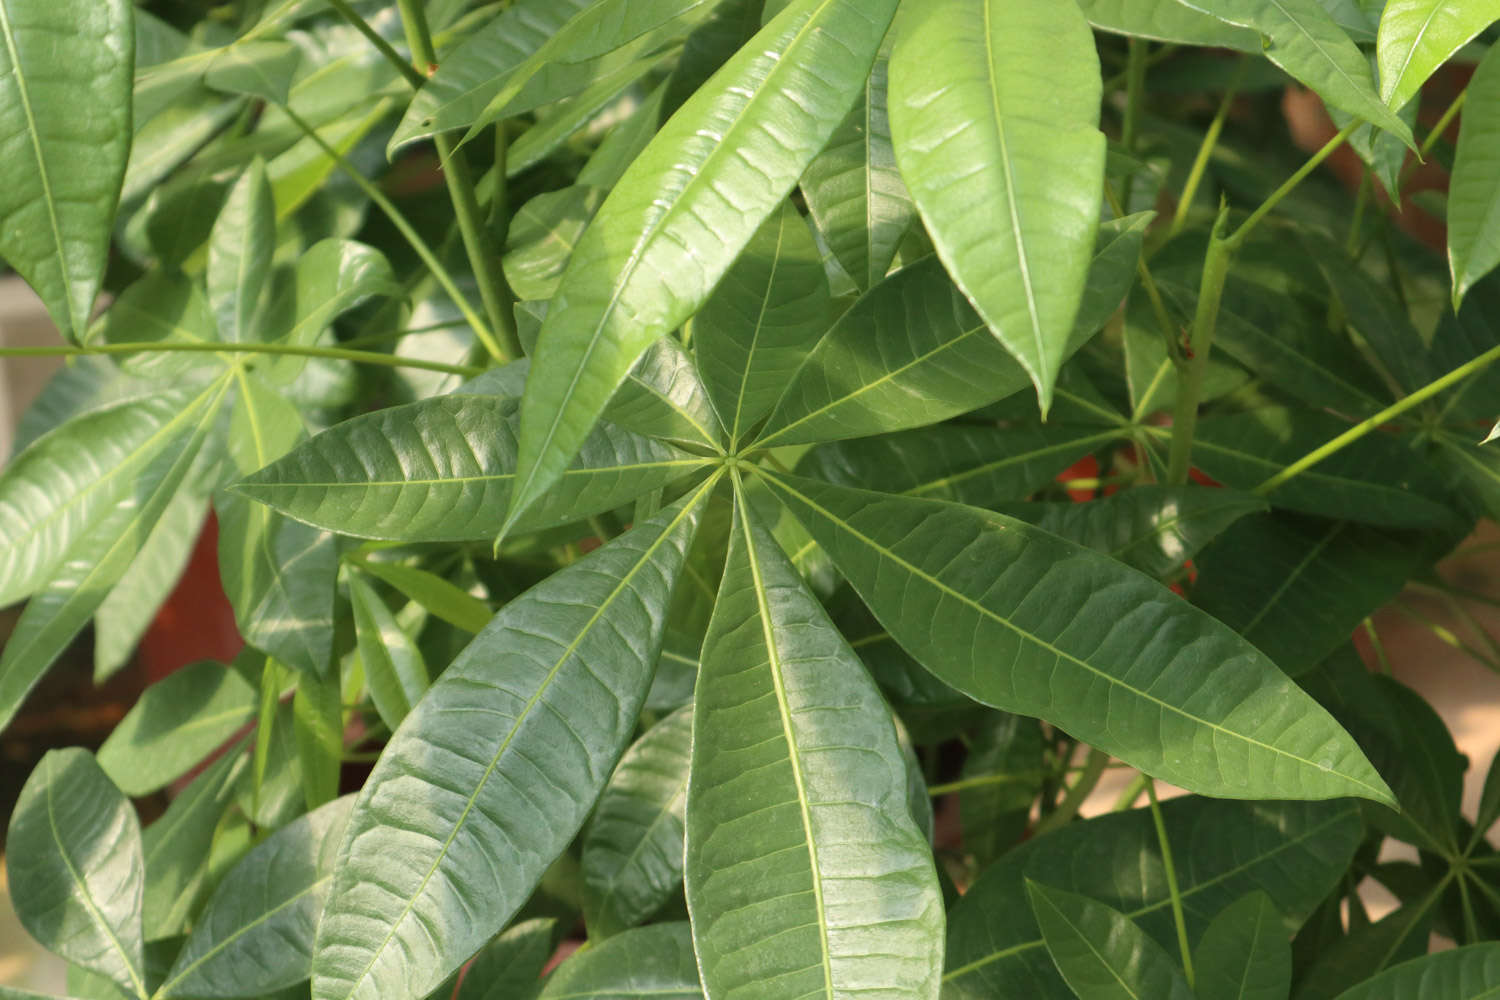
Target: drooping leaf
<point>510,967</point>
<point>239,254</point>
<point>473,72</point>
<point>279,574</point>
<point>1155,529</point>
<point>434,594</point>
<point>394,670</point>
<point>1298,587</point>
<point>855,192</point>
<point>1418,36</point>
<point>996,103</point>
<point>256,932</point>
<point>1245,954</point>
<point>73,858</point>
<point>1381,151</point>
<point>443,469</point>
<point>757,327</point>
<point>464,807</point>
<point>1303,39</point>
<point>176,723</point>
<point>753,128</point>
<point>1293,851</point>
<point>655,961</point>
<point>330,278</point>
<point>1101,954</point>
<point>804,866</point>
<point>177,845</point>
<point>62,170</point>
<point>980,466</point>
<point>1168,21</point>
<point>1026,622</point>
<point>632,851</point>
<point>1474,190</point>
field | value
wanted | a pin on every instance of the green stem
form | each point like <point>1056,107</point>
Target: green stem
<point>285,350</point>
<point>1378,646</point>
<point>1194,368</point>
<point>484,258</point>
<point>1436,133</point>
<point>1135,91</point>
<point>1206,149</point>
<point>1131,792</point>
<point>1153,293</point>
<point>1088,779</point>
<point>1291,182</point>
<point>1170,868</point>
<point>1386,415</point>
<point>382,46</point>
<point>423,251</point>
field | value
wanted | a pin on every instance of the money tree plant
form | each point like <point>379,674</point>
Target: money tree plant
<point>710,488</point>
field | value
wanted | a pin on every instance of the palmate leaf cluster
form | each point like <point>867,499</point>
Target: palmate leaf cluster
<point>634,428</point>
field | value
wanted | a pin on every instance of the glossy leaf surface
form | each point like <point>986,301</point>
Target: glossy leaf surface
<point>1055,631</point>
<point>61,173</point>
<point>667,234</point>
<point>1474,192</point>
<point>1167,21</point>
<point>1294,852</point>
<point>457,824</point>
<point>1101,954</point>
<point>632,851</point>
<point>444,469</point>
<point>804,866</point>
<point>1418,36</point>
<point>655,961</point>
<point>996,103</point>
<point>255,935</point>
<point>1244,954</point>
<point>239,254</point>
<point>73,857</point>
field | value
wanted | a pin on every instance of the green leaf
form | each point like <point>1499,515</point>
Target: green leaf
<point>1474,191</point>
<point>632,850</point>
<point>330,278</point>
<point>996,103</point>
<point>176,847</point>
<point>1418,36</point>
<point>71,477</point>
<point>1101,954</point>
<point>1295,852</point>
<point>1026,622</point>
<point>1297,587</point>
<point>854,191</point>
<point>433,594</point>
<point>73,857</point>
<point>1245,954</point>
<point>239,254</point>
<point>1366,951</point>
<point>394,670</point>
<point>664,397</point>
<point>318,728</point>
<point>1376,480</point>
<point>85,385</point>
<point>655,961</point>
<point>804,865</point>
<point>61,177</point>
<point>1168,21</point>
<point>510,967</point>
<point>1304,39</point>
<point>1155,529</point>
<point>1002,777</point>
<point>263,69</point>
<point>163,307</point>
<point>980,466</point>
<point>443,469</point>
<point>759,324</point>
<point>752,129</point>
<point>474,71</point>
<point>255,935</point>
<point>177,722</point>
<point>464,806</point>
<point>1381,151</point>
<point>542,237</point>
<point>279,574</point>
<point>1112,275</point>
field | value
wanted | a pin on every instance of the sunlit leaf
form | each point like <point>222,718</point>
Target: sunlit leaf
<point>1418,36</point>
<point>1167,21</point>
<point>1474,191</point>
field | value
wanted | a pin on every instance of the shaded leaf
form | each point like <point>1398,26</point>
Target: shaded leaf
<point>510,967</point>
<point>433,594</point>
<point>62,171</point>
<point>1245,954</point>
<point>73,858</point>
<point>1002,777</point>
<point>753,128</point>
<point>472,820</point>
<point>255,934</point>
<point>176,847</point>
<point>1365,951</point>
<point>329,278</point>
<point>163,307</point>
<point>804,865</point>
<point>394,671</point>
<point>664,397</point>
<point>255,68</point>
<point>239,254</point>
<point>632,850</point>
<point>996,103</point>
<point>1474,190</point>
<point>1469,973</point>
<point>177,722</point>
<point>655,961</point>
<point>1026,622</point>
<point>1101,954</point>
